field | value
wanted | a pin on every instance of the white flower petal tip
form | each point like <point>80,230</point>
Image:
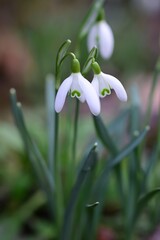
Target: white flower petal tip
<point>103,83</point>
<point>101,35</point>
<point>117,86</point>
<point>90,95</point>
<point>81,88</point>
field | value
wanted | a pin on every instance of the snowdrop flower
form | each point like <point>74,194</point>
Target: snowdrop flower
<point>103,83</point>
<point>78,87</point>
<point>101,35</point>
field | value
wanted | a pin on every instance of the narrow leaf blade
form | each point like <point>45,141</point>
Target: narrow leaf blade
<point>50,98</point>
<point>87,64</point>
<point>62,51</point>
<point>90,18</point>
<point>85,170</point>
<point>104,135</point>
<point>145,199</point>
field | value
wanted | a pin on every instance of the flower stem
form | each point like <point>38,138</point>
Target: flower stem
<point>152,92</point>
<point>58,180</point>
<point>75,130</point>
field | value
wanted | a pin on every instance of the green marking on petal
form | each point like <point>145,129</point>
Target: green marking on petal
<point>105,92</point>
<point>75,93</point>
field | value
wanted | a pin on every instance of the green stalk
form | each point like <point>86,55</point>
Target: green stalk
<point>50,98</point>
<point>88,22</point>
<point>152,91</point>
<point>70,209</point>
<point>58,180</point>
<point>56,126</point>
<point>134,168</point>
<point>102,181</point>
<point>75,130</point>
<point>104,135</point>
<point>34,155</point>
<point>150,101</point>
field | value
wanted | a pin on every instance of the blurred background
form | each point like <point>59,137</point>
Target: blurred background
<point>32,31</point>
<point>30,35</point>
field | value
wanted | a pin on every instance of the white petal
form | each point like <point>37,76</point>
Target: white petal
<point>76,87</point>
<point>95,84</point>
<point>92,37</point>
<point>82,98</point>
<point>90,94</point>
<point>62,93</point>
<point>104,88</point>
<point>117,86</point>
<point>106,40</point>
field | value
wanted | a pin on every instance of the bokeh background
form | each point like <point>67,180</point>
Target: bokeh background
<point>32,31</point>
<point>30,35</point>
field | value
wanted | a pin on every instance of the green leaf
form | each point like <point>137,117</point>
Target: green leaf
<point>85,170</point>
<point>102,181</point>
<point>142,202</point>
<point>104,135</point>
<point>128,149</point>
<point>113,161</point>
<point>35,150</point>
<point>50,98</point>
<point>39,165</point>
<point>87,65</point>
<point>62,51</point>
<point>109,143</point>
<point>85,201</point>
<point>135,109</point>
<point>133,165</point>
<point>152,159</point>
<point>152,91</point>
<point>119,123</point>
<point>92,205</point>
<point>34,154</point>
<point>90,18</point>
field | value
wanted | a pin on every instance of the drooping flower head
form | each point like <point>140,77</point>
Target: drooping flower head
<point>78,87</point>
<point>101,36</point>
<point>103,83</point>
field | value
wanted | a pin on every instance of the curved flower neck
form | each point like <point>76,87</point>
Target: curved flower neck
<point>101,15</point>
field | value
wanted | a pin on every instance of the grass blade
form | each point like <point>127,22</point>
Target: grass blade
<point>35,150</point>
<point>153,88</point>
<point>35,156</point>
<point>117,125</point>
<point>101,184</point>
<point>85,170</point>
<point>50,96</point>
<point>104,135</point>
<point>90,18</point>
<point>88,63</point>
<point>62,52</point>
<point>152,159</point>
<point>128,149</point>
<point>144,199</point>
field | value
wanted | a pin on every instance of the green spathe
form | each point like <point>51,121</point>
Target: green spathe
<point>96,68</point>
<point>101,15</point>
<point>75,68</point>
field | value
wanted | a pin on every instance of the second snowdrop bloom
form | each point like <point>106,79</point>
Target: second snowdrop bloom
<point>103,83</point>
<point>78,87</point>
<point>101,36</point>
